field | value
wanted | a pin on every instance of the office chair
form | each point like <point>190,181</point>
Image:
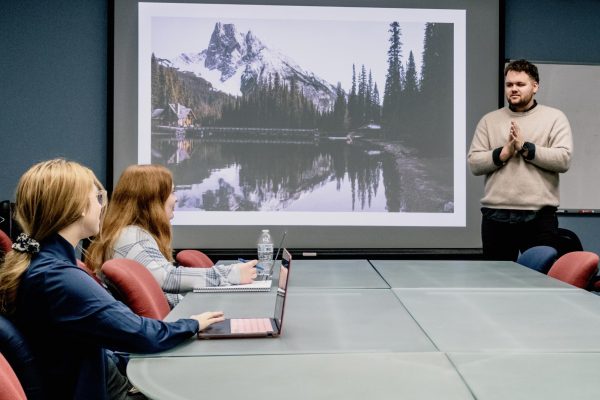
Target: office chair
<point>131,283</point>
<point>568,241</point>
<point>576,268</point>
<point>18,356</point>
<point>193,258</point>
<point>10,387</point>
<point>5,244</point>
<point>538,258</point>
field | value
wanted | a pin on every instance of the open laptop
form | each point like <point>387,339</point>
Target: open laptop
<point>255,327</point>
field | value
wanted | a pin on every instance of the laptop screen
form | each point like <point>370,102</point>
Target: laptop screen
<point>284,271</point>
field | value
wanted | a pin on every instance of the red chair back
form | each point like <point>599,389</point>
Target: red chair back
<point>193,258</point>
<point>135,286</point>
<point>5,243</point>
<point>10,387</point>
<point>576,268</point>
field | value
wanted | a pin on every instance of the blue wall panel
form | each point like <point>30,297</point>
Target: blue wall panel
<point>53,77</point>
<point>53,80</point>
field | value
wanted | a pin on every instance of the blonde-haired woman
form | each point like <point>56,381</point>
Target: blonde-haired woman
<point>137,226</point>
<point>67,318</point>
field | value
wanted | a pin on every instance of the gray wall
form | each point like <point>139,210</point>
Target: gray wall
<point>53,85</point>
<point>54,63</point>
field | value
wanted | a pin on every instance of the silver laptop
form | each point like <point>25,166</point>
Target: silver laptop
<point>256,327</point>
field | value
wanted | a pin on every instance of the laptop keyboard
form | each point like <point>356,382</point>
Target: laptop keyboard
<point>251,325</point>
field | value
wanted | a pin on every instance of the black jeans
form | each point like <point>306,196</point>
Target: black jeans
<point>503,238</point>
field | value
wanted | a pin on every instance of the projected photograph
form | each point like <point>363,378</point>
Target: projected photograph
<point>315,113</point>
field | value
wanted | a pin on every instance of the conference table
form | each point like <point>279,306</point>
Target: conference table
<point>414,329</point>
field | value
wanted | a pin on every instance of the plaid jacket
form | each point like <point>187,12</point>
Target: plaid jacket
<point>137,244</point>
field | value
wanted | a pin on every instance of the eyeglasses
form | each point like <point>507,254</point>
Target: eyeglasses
<point>102,197</point>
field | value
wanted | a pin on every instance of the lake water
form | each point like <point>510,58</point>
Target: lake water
<point>328,174</point>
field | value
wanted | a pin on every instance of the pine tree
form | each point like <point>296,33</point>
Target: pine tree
<point>411,83</point>
<point>391,95</point>
<point>402,77</point>
<point>410,102</point>
<point>369,99</point>
<point>437,88</point>
<point>339,109</point>
<point>154,85</point>
<point>362,96</point>
<point>376,105</point>
<point>352,101</point>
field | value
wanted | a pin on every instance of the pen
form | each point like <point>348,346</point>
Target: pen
<point>243,260</point>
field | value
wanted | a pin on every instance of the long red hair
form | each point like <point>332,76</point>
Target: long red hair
<point>138,199</point>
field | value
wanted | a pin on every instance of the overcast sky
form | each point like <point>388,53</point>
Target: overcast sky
<point>320,41</point>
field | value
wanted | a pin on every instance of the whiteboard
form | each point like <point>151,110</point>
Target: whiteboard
<point>575,90</point>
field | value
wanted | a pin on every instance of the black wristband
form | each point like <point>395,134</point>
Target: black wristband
<point>530,149</point>
<point>496,157</point>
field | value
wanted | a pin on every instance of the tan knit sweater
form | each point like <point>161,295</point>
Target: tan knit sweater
<point>520,184</point>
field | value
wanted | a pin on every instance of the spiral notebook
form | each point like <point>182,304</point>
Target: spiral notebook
<point>256,286</point>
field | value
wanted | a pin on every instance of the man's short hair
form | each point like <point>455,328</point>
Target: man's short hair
<point>523,66</point>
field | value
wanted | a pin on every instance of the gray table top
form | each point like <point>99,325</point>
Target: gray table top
<point>300,377</point>
<point>332,274</point>
<point>338,274</point>
<point>526,376</point>
<point>506,319</point>
<point>447,329</point>
<point>462,274</point>
<point>315,321</point>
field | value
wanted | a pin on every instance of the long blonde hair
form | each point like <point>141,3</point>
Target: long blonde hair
<point>50,196</point>
<point>138,199</point>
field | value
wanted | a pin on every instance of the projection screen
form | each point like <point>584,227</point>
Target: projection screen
<point>344,123</point>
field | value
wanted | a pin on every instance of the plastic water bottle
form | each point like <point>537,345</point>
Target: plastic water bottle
<point>264,248</point>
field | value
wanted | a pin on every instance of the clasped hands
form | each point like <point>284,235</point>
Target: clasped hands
<point>514,143</point>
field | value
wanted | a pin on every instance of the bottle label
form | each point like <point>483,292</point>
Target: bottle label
<point>267,248</point>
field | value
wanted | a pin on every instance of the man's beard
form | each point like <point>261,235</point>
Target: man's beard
<point>522,102</point>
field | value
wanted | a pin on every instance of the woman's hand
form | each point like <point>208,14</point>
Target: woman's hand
<point>208,318</point>
<point>248,271</point>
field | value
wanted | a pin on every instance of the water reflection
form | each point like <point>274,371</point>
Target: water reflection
<point>182,153</point>
<point>324,175</point>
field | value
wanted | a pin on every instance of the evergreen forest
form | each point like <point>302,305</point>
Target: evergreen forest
<point>416,109</point>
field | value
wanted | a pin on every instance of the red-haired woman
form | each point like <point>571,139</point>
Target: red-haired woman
<point>137,226</point>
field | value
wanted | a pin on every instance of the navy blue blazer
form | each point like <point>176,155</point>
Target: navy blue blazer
<point>69,320</point>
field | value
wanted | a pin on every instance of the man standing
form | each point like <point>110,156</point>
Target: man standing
<point>520,149</point>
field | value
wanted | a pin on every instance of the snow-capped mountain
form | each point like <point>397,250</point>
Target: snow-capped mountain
<point>234,61</point>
